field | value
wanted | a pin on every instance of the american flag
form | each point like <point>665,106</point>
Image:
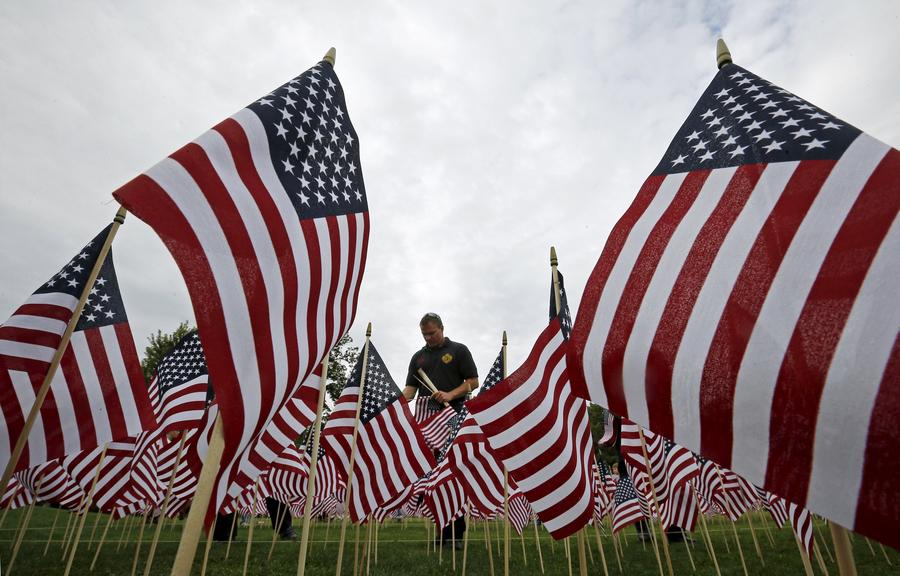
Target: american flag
<point>98,393</point>
<point>626,507</point>
<point>424,407</point>
<point>802,524</point>
<point>390,451</point>
<point>444,496</point>
<point>266,216</point>
<point>745,304</point>
<point>541,433</point>
<point>15,496</point>
<point>182,388</point>
<point>520,512</point>
<point>479,471</point>
<point>609,429</point>
<point>436,429</point>
<point>49,482</point>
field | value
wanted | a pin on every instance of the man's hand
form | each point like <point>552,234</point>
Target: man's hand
<point>442,397</point>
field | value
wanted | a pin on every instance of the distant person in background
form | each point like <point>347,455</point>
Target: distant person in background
<point>450,367</point>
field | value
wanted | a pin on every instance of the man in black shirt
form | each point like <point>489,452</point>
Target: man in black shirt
<point>450,367</point>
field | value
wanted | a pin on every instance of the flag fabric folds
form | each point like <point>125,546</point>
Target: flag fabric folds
<point>390,451</point>
<point>541,433</point>
<point>479,471</point>
<point>98,393</point>
<point>267,218</point>
<point>745,304</point>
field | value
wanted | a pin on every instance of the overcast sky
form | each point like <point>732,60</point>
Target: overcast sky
<point>488,131</point>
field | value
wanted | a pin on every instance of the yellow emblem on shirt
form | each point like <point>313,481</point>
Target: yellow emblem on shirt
<point>447,358</point>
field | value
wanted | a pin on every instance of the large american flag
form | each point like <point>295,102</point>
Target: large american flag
<point>479,471</point>
<point>266,216</point>
<point>390,451</point>
<point>541,433</point>
<point>745,304</point>
<point>98,393</point>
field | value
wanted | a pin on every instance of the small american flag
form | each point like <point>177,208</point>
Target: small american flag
<point>267,218</point>
<point>745,305</point>
<point>626,507</point>
<point>479,471</point>
<point>98,394</point>
<point>391,453</point>
<point>541,433</point>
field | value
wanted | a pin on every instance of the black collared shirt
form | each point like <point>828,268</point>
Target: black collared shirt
<point>447,365</point>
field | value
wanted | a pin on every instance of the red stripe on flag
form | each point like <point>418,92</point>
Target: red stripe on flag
<point>636,287</point>
<point>600,274</point>
<point>795,404</point>
<point>106,382</point>
<point>678,309</point>
<point>135,376</point>
<point>744,303</point>
<point>239,146</point>
<point>77,394</point>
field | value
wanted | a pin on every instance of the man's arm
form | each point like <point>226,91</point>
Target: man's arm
<point>409,392</point>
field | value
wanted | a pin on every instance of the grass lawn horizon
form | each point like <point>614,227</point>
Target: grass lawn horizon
<point>402,548</point>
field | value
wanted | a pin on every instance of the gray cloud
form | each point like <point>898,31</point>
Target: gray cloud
<point>488,132</point>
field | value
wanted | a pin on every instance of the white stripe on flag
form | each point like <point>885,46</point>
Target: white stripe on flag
<point>41,323</point>
<point>758,374</point>
<point>54,299</point>
<point>618,277</point>
<point>25,395</point>
<point>124,395</point>
<point>660,287</point>
<point>61,390</point>
<point>28,351</point>
<point>92,391</point>
<point>707,311</point>
<point>852,385</point>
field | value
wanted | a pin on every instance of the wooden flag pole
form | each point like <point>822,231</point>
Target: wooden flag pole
<point>600,547</point>
<point>505,522</point>
<point>165,506</point>
<point>90,496</point>
<point>102,540</point>
<point>252,523</point>
<point>818,530</point>
<point>21,535</point>
<point>52,530</point>
<point>209,538</point>
<point>537,540</point>
<point>846,565</point>
<point>234,517</point>
<point>16,453</point>
<point>313,461</point>
<point>582,561</point>
<point>279,519</point>
<point>487,541</point>
<point>465,540</point>
<point>755,541</point>
<point>140,540</point>
<point>126,531</point>
<point>346,518</point>
<point>665,541</point>
<point>737,539</point>
<point>568,554</point>
<point>522,542</point>
<point>707,539</point>
<point>356,552</point>
<point>807,565</point>
<point>193,526</point>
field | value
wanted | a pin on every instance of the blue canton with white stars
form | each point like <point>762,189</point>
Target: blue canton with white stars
<point>380,389</point>
<point>743,119</point>
<point>313,145</point>
<point>624,490</point>
<point>565,318</point>
<point>494,375</point>
<point>184,363</point>
<point>103,306</point>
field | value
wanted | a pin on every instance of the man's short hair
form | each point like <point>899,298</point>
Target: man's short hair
<point>431,318</point>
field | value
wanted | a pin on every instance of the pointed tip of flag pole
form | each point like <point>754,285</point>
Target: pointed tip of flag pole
<point>369,330</point>
<point>553,260</point>
<point>330,55</point>
<point>723,56</point>
<point>505,341</point>
<point>120,215</point>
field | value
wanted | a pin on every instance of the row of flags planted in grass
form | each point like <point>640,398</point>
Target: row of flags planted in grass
<point>743,309</point>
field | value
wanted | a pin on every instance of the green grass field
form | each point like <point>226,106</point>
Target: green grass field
<point>402,549</point>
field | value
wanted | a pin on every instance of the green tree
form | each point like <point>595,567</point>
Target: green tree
<point>340,362</point>
<point>160,345</point>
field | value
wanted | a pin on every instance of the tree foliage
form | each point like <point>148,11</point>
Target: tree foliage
<point>160,345</point>
<point>340,362</point>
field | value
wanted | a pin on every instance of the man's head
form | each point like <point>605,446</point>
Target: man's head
<point>432,329</point>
